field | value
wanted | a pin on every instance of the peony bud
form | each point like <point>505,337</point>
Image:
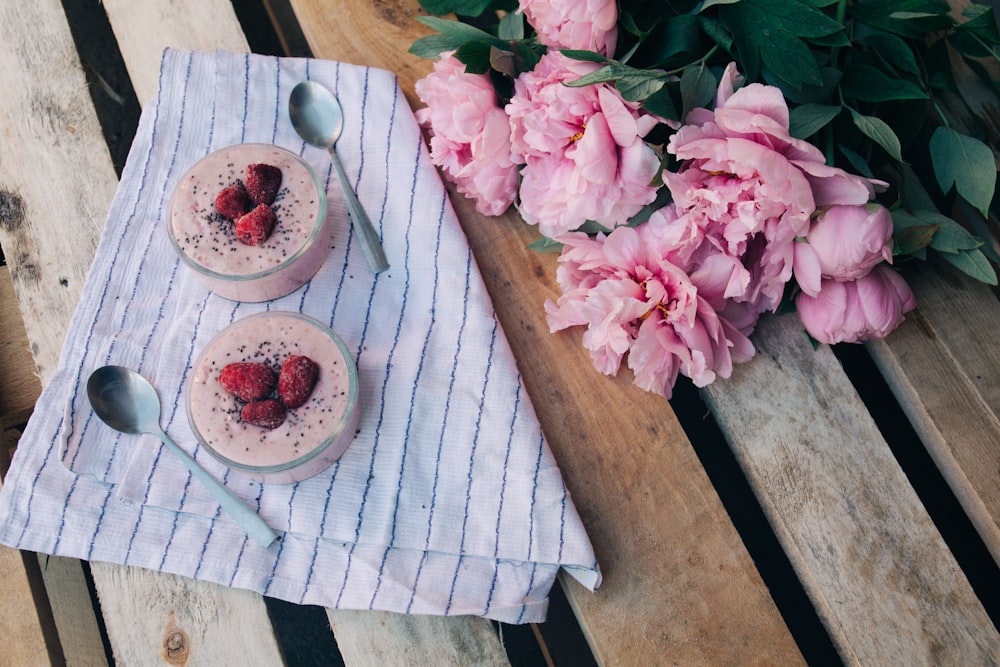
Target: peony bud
<point>843,243</point>
<point>852,311</point>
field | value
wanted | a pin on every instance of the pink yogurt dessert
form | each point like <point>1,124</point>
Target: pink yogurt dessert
<point>312,436</point>
<point>206,240</point>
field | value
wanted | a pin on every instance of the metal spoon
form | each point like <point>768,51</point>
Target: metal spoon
<point>127,402</point>
<point>317,117</point>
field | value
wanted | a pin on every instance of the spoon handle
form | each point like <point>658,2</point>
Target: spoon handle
<point>370,243</point>
<point>248,520</point>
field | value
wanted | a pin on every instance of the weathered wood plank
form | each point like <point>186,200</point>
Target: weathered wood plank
<point>678,581</point>
<point>946,375</point>
<point>51,137</point>
<point>144,28</point>
<point>877,570</point>
<point>19,385</point>
<point>154,618</point>
<point>377,638</point>
<point>72,611</point>
<point>20,624</point>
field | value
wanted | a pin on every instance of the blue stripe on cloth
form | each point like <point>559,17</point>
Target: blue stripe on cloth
<point>472,458</point>
<point>392,350</point>
<point>413,400</point>
<point>503,491</point>
<point>444,425</point>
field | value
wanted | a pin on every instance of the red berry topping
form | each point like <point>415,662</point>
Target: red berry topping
<point>262,182</point>
<point>233,202</point>
<point>254,227</point>
<point>266,414</point>
<point>248,380</point>
<point>296,380</point>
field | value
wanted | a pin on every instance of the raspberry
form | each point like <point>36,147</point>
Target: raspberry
<point>233,202</point>
<point>247,380</point>
<point>262,182</point>
<point>296,380</point>
<point>266,414</point>
<point>254,227</point>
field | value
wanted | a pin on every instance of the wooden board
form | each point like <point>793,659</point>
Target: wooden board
<point>678,581</point>
<point>945,371</point>
<point>155,618</point>
<point>51,216</point>
<point>377,638</point>
<point>877,570</point>
<point>19,385</point>
<point>20,624</point>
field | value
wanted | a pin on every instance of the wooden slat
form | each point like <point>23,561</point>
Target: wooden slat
<point>376,638</point>
<point>877,570</point>
<point>19,385</point>
<point>20,625</point>
<point>155,618</point>
<point>56,178</point>
<point>678,582</point>
<point>143,28</point>
<point>945,371</point>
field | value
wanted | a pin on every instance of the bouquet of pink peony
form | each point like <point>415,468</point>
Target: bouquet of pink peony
<point>700,163</point>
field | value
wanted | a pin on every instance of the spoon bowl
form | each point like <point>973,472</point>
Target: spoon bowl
<point>127,402</point>
<point>317,116</point>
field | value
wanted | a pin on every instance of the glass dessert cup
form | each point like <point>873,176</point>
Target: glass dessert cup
<point>312,436</point>
<point>206,242</point>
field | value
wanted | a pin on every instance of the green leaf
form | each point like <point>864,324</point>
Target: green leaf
<point>698,87</point>
<point>635,88</point>
<point>580,54</point>
<point>461,32</point>
<point>431,46</point>
<point>808,119</point>
<point>661,104</point>
<point>952,237</point>
<point>545,244</point>
<point>511,26</point>
<point>858,163</point>
<point>893,50</point>
<point>711,3</point>
<point>791,59</point>
<point>909,18</point>
<point>865,83</point>
<point>603,75</point>
<point>974,264</point>
<point>913,239</point>
<point>475,55</point>
<point>463,7</point>
<point>967,164</point>
<point>878,131</point>
<point>672,42</point>
<point>771,31</point>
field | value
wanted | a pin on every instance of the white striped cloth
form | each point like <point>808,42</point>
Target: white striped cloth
<point>449,500</point>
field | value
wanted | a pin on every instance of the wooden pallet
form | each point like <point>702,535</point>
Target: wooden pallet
<point>681,584</point>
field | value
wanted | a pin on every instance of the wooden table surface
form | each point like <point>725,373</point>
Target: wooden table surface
<point>681,585</point>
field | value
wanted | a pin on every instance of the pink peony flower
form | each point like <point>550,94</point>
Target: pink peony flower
<point>582,149</point>
<point>470,134</point>
<point>634,299</point>
<point>746,188</point>
<point>863,309</point>
<point>574,24</point>
<point>843,243</point>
